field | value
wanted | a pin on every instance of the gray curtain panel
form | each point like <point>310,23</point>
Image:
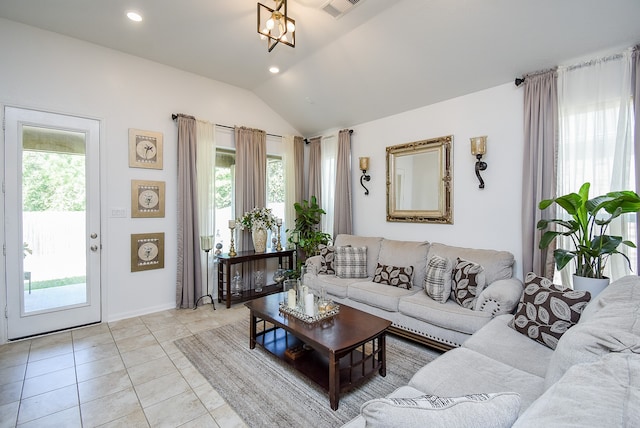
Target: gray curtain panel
<point>342,217</point>
<point>635,90</point>
<point>539,166</point>
<point>298,147</point>
<point>189,274</point>
<point>315,167</point>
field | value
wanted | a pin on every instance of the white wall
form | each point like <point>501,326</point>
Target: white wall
<point>482,218</point>
<point>47,71</point>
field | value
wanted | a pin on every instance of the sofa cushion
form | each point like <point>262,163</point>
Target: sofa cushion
<point>449,315</point>
<point>351,262</point>
<point>335,286</point>
<point>378,295</point>
<point>485,410</point>
<point>545,313</point>
<point>437,280</point>
<point>604,393</point>
<point>405,253</point>
<point>372,244</point>
<point>512,348</point>
<point>497,264</point>
<point>394,275</point>
<point>621,291</point>
<point>467,281</point>
<point>462,371</point>
<point>327,256</point>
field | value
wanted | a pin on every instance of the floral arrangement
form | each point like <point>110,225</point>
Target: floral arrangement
<point>258,218</point>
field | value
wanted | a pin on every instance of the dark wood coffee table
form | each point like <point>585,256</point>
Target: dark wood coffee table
<point>341,352</point>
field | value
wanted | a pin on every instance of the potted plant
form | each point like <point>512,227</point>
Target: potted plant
<point>587,227</point>
<point>306,231</point>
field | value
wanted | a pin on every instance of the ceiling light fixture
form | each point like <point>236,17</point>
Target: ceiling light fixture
<point>274,70</point>
<point>275,25</point>
<point>134,16</point>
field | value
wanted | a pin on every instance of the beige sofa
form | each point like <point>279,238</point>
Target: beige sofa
<point>413,313</point>
<point>591,379</point>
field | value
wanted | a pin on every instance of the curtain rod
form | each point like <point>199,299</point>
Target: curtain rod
<point>308,140</point>
<point>175,117</point>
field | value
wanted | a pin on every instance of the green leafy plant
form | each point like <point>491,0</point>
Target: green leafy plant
<point>587,228</point>
<point>308,216</point>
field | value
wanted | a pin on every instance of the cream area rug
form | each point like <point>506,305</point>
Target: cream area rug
<point>266,392</point>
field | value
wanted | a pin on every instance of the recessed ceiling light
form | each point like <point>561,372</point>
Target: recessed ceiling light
<point>134,16</point>
<point>274,70</point>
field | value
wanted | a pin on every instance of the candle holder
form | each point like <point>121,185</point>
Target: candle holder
<point>232,249</point>
<point>278,244</point>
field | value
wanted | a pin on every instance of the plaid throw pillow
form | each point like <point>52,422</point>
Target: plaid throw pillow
<point>467,281</point>
<point>351,262</point>
<point>546,311</point>
<point>437,281</point>
<point>392,275</point>
<point>327,257</point>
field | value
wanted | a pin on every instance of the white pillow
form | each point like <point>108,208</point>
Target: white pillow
<point>495,410</point>
<point>437,280</point>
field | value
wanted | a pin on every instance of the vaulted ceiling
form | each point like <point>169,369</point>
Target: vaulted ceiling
<point>380,58</point>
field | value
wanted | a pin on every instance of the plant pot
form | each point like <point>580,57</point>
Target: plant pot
<point>259,237</point>
<point>592,285</point>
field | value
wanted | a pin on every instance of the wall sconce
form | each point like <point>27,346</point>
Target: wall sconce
<point>364,166</point>
<point>479,148</point>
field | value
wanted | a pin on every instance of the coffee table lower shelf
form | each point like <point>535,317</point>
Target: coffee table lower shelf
<point>355,364</point>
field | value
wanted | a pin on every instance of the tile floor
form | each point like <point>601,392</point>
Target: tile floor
<point>126,373</point>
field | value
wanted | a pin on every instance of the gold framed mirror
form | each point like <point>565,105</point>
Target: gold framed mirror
<point>419,181</point>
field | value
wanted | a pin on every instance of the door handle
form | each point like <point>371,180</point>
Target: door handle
<point>94,248</point>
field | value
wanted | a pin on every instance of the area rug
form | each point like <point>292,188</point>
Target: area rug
<point>266,392</point>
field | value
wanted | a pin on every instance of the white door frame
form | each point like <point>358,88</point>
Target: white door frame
<point>94,312</point>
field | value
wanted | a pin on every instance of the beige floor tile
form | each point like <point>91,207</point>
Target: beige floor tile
<point>148,371</point>
<point>159,389</point>
<point>82,332</point>
<point>125,323</point>
<point>143,355</point>
<point>226,417</point>
<point>50,350</point>
<point>175,411</point>
<point>48,382</point>
<point>169,347</point>
<point>48,403</point>
<point>48,365</point>
<point>99,368</point>
<point>89,341</point>
<point>9,414</point>
<point>202,325</point>
<point>136,342</point>
<point>136,419</point>
<point>51,339</point>
<point>68,418</point>
<point>13,374</point>
<point>104,385</point>
<point>127,332</point>
<point>13,347</point>
<point>174,332</point>
<point>11,359</point>
<point>10,392</point>
<point>204,421</point>
<point>193,377</point>
<point>209,397</point>
<point>180,361</point>
<point>95,353</point>
<point>109,408</point>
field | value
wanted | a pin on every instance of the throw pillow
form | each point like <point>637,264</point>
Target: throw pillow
<point>476,410</point>
<point>437,280</point>
<point>327,257</point>
<point>545,313</point>
<point>351,262</point>
<point>467,281</point>
<point>393,275</point>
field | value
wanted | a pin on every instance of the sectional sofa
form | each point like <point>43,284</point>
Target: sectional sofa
<point>501,377</point>
<point>442,323</point>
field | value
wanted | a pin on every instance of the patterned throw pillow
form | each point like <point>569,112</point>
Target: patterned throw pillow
<point>546,311</point>
<point>467,281</point>
<point>350,262</point>
<point>393,275</point>
<point>327,257</point>
<point>437,280</point>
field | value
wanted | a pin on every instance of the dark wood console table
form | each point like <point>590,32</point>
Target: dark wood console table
<point>224,271</point>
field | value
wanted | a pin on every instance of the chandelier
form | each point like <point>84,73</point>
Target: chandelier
<point>275,26</point>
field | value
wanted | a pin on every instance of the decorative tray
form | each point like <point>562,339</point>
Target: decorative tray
<point>302,316</point>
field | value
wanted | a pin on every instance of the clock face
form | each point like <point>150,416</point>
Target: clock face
<point>148,199</point>
<point>148,251</point>
<point>146,149</point>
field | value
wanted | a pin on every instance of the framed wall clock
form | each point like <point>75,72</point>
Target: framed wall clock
<point>147,198</point>
<point>145,149</point>
<point>147,251</point>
